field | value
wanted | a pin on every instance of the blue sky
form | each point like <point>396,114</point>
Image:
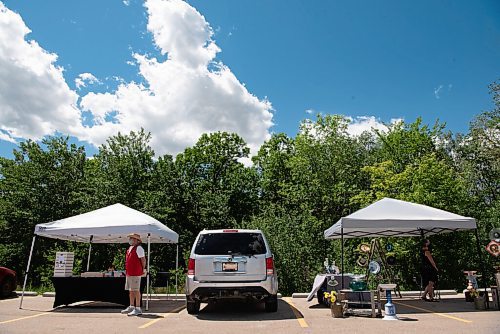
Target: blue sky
<point>386,59</point>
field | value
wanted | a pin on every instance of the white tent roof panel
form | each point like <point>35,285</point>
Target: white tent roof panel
<point>390,217</point>
<point>110,224</point>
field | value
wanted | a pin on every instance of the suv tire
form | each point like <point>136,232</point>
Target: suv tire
<point>192,306</point>
<point>271,303</point>
<point>6,287</point>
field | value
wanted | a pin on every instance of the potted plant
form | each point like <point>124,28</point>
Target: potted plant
<point>335,305</point>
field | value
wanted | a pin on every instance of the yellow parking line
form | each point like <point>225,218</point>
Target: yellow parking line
<point>162,316</point>
<point>298,315</point>
<point>436,313</point>
<point>22,318</point>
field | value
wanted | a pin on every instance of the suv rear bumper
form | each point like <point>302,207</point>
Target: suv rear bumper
<point>206,290</point>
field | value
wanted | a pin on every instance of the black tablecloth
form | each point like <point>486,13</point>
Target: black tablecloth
<point>105,289</point>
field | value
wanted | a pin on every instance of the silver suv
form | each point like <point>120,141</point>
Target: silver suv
<point>231,264</point>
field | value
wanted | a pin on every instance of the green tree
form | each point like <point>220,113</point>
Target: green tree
<point>218,191</point>
<point>38,186</point>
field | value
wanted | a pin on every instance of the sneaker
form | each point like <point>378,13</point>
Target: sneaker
<point>127,310</point>
<point>135,311</point>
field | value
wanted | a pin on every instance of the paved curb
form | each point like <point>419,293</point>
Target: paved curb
<point>27,293</point>
<point>181,295</point>
<point>403,293</point>
<point>172,295</point>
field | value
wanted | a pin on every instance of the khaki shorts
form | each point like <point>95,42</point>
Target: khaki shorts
<point>133,283</point>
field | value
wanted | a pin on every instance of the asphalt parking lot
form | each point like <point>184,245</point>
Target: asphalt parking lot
<point>295,315</point>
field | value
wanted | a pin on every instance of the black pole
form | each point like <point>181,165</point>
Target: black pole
<point>342,255</point>
<point>421,245</point>
<point>481,262</point>
<point>422,235</point>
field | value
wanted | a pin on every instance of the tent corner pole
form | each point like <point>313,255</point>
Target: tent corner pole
<point>27,271</point>
<point>176,268</point>
<point>481,262</point>
<point>90,249</point>
<point>147,274</point>
<point>342,255</point>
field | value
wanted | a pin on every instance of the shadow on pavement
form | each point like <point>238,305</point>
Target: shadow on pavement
<point>366,313</point>
<point>407,319</point>
<point>149,316</point>
<point>318,306</point>
<point>90,307</point>
<point>448,305</point>
<point>244,311</point>
<point>155,306</point>
<point>13,295</point>
<point>418,306</point>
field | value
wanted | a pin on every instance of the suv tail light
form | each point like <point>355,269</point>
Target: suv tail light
<point>269,266</point>
<point>191,266</point>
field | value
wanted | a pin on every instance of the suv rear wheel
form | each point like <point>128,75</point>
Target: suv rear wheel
<point>192,306</point>
<point>272,303</point>
<point>6,287</point>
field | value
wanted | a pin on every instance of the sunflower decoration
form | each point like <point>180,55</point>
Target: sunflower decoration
<point>331,296</point>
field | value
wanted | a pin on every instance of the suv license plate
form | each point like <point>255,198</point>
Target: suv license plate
<point>229,266</point>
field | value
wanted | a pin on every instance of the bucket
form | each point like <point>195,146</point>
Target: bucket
<point>480,303</point>
<point>337,310</point>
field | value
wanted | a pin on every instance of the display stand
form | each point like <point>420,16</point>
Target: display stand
<point>63,266</point>
<point>390,309</point>
<point>354,299</point>
<point>378,253</point>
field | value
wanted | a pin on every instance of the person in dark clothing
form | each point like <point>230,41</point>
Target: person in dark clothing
<point>429,271</point>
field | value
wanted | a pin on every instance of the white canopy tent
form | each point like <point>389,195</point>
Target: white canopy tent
<point>395,218</point>
<point>110,224</point>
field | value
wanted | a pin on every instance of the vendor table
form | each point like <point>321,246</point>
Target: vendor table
<point>104,289</point>
<point>321,280</point>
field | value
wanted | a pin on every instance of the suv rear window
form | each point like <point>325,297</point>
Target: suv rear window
<point>237,243</point>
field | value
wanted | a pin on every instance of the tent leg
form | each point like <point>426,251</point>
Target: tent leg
<point>27,271</point>
<point>176,268</point>
<point>342,255</point>
<point>481,262</point>
<point>422,236</point>
<point>90,249</point>
<point>147,275</point>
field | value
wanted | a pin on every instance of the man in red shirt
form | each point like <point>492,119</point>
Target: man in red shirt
<point>135,264</point>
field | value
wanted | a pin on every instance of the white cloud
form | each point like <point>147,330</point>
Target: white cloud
<point>437,90</point>
<point>84,78</point>
<point>360,124</point>
<point>309,111</point>
<point>181,98</point>
<point>6,137</point>
<point>34,98</point>
<point>355,127</point>
<point>126,2</point>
